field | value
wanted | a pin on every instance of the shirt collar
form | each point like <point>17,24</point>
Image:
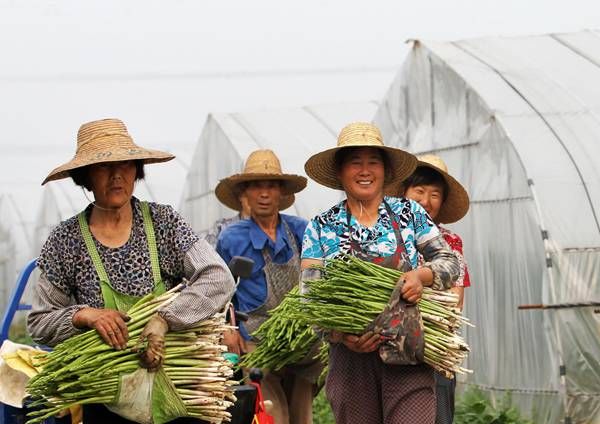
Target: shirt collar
<point>260,239</point>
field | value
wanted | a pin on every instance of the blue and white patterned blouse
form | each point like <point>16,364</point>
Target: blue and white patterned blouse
<point>327,234</point>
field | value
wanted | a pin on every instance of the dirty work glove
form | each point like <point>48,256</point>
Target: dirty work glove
<point>151,345</point>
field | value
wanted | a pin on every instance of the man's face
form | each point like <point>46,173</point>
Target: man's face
<point>263,197</point>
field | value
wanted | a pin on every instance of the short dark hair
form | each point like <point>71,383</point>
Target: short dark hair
<point>80,176</point>
<point>342,155</point>
<point>425,175</point>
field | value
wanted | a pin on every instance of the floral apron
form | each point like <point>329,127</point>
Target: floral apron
<point>400,324</point>
<point>398,394</point>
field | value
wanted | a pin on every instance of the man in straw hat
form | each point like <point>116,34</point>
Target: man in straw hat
<point>273,241</point>
<point>97,264</point>
<point>392,232</point>
<point>211,235</point>
<point>446,201</point>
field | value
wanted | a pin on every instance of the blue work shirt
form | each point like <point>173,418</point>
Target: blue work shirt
<point>246,238</point>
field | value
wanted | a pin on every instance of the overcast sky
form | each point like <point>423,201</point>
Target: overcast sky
<point>162,65</point>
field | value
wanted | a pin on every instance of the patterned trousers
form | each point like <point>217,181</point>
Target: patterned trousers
<point>364,390</point>
<point>444,388</point>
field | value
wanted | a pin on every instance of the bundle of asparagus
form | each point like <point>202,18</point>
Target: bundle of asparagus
<point>84,369</point>
<point>353,292</point>
<point>283,341</point>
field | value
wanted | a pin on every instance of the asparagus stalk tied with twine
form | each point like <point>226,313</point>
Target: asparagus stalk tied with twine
<point>283,341</point>
<point>352,293</point>
<point>348,297</point>
<point>84,369</point>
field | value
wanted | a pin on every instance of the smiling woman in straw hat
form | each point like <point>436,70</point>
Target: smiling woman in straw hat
<point>446,201</point>
<point>391,232</point>
<point>95,265</point>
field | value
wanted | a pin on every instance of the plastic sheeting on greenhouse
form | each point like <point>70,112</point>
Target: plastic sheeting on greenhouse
<point>518,121</point>
<point>293,134</point>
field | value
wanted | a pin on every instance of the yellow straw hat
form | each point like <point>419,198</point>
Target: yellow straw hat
<point>261,165</point>
<point>321,167</point>
<point>106,140</point>
<point>456,204</point>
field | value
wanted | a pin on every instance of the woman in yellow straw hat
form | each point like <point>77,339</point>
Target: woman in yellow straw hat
<point>446,201</point>
<point>389,231</point>
<point>97,264</point>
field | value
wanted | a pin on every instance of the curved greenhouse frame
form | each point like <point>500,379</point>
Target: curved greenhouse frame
<point>517,120</point>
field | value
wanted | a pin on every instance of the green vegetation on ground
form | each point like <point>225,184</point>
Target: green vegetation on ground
<point>472,407</point>
<point>322,410</point>
<point>475,407</point>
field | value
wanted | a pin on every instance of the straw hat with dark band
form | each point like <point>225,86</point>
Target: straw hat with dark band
<point>456,204</point>
<point>322,167</point>
<point>261,165</point>
<point>106,140</point>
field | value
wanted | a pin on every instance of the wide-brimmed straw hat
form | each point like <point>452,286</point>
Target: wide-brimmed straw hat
<point>261,165</point>
<point>321,167</point>
<point>456,204</point>
<point>106,140</point>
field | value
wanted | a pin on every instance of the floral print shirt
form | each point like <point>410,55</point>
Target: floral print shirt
<point>456,244</point>
<point>328,235</point>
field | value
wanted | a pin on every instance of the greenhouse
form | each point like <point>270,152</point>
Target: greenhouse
<point>293,134</point>
<point>517,122</point>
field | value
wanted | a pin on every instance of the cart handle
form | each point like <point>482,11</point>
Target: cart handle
<point>14,304</point>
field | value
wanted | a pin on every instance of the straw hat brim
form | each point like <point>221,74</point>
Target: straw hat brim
<point>456,205</point>
<point>226,190</point>
<point>116,154</point>
<point>322,169</point>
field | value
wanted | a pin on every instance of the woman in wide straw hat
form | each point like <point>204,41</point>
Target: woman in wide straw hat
<point>446,201</point>
<point>391,232</point>
<point>95,265</point>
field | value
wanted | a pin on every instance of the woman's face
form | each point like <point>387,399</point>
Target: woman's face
<point>112,183</point>
<point>430,196</point>
<point>362,174</point>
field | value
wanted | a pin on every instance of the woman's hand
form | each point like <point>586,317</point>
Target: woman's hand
<point>152,355</point>
<point>412,289</point>
<point>109,323</point>
<point>368,342</point>
<point>234,342</point>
